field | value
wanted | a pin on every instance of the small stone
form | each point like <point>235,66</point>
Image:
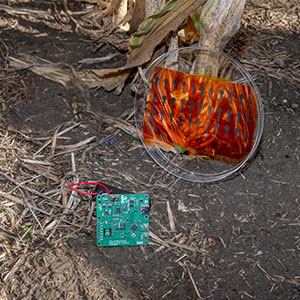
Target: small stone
<point>284,101</point>
<point>281,63</point>
<point>295,105</point>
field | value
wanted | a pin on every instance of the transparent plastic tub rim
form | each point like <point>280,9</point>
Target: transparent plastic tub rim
<point>196,176</point>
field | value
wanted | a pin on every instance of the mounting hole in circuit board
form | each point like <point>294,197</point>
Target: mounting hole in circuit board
<point>200,128</point>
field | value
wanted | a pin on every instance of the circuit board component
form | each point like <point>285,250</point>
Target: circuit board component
<point>122,219</point>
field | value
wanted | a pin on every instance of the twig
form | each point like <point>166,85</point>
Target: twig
<point>89,217</point>
<point>155,237</point>
<point>59,134</point>
<point>78,226</point>
<point>222,241</point>
<point>97,60</point>
<point>193,281</point>
<point>170,216</point>
<point>54,139</point>
<point>79,144</point>
<point>183,246</point>
<point>68,235</point>
<point>25,187</point>
<point>34,215</point>
<point>265,272</point>
<point>180,258</point>
<point>24,11</point>
<point>24,182</point>
<point>73,201</point>
<point>36,162</point>
<point>12,198</point>
<point>13,269</point>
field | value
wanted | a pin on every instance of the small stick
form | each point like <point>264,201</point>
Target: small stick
<point>77,145</point>
<point>11,198</point>
<point>73,201</point>
<point>13,269</point>
<point>59,134</point>
<point>193,281</point>
<point>68,235</point>
<point>181,257</point>
<point>54,139</point>
<point>187,247</point>
<point>265,272</point>
<point>36,162</point>
<point>154,236</point>
<point>97,60</point>
<point>64,192</point>
<point>78,226</point>
<point>26,188</point>
<point>170,216</point>
<point>89,217</point>
<point>222,241</point>
<point>26,181</point>
<point>34,215</point>
<point>73,163</point>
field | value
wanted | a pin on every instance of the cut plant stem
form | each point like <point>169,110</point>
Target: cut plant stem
<point>219,21</point>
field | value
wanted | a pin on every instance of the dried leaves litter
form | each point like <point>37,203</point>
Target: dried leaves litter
<point>104,23</point>
<point>37,209</point>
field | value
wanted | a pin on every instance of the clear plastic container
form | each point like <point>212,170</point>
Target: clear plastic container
<point>200,128</point>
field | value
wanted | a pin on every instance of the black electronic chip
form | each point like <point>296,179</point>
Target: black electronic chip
<point>145,209</point>
<point>114,197</point>
<point>122,225</point>
<point>134,227</point>
<point>118,209</point>
<point>107,232</point>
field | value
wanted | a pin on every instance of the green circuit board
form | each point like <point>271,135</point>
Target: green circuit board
<point>122,219</point>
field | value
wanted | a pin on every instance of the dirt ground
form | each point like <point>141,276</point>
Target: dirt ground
<point>234,239</point>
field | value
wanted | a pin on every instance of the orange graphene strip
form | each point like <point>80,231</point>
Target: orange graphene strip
<point>200,116</point>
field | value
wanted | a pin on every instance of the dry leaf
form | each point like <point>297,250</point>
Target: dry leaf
<point>112,81</point>
<point>162,26</point>
<point>119,14</point>
<point>138,15</point>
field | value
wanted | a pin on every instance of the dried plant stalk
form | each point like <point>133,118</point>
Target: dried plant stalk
<point>219,21</point>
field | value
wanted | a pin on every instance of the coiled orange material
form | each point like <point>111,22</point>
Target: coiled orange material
<point>200,116</point>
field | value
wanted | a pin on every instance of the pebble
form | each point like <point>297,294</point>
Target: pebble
<point>281,63</point>
<point>284,101</point>
<point>295,105</point>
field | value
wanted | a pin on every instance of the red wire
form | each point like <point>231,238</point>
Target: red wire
<point>84,183</point>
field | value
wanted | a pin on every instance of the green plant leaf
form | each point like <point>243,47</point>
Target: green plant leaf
<point>196,17</point>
